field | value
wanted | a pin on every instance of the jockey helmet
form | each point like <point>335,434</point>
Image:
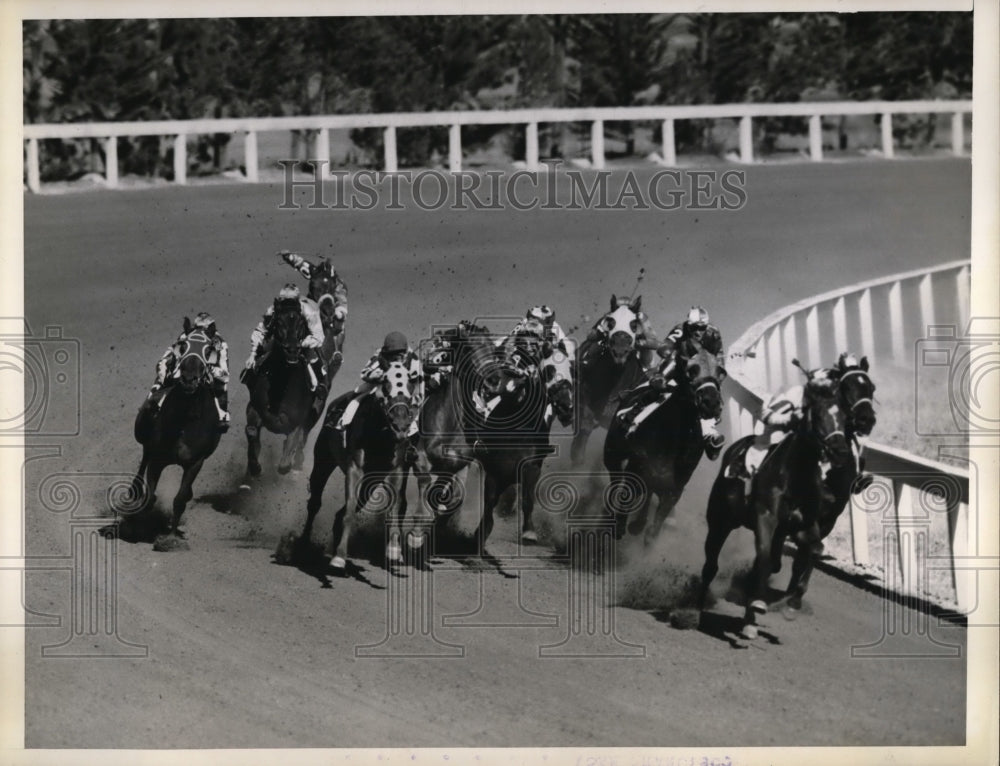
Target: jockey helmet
<point>533,326</point>
<point>205,322</point>
<point>543,314</point>
<point>289,292</point>
<point>847,360</point>
<point>395,343</point>
<point>697,318</point>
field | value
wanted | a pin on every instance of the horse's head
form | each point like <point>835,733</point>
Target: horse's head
<point>557,375</point>
<point>193,372</point>
<point>289,327</point>
<point>824,420</point>
<point>321,287</point>
<point>857,393</point>
<point>400,398</point>
<point>701,374</point>
<point>620,327</point>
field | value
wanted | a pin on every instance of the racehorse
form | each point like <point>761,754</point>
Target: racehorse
<point>665,448</point>
<point>465,357</point>
<point>322,284</point>
<point>512,440</point>
<point>373,452</point>
<point>793,494</point>
<point>184,431</point>
<point>281,392</point>
<point>609,365</point>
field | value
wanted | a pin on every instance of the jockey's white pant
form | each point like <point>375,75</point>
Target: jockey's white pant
<point>351,410</point>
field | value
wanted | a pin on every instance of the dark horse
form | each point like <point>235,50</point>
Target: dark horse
<point>798,492</point>
<point>465,358</point>
<point>183,431</point>
<point>281,395</point>
<point>374,453</point>
<point>664,450</point>
<point>513,440</point>
<point>609,365</point>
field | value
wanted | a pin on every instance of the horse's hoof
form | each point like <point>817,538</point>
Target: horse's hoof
<point>749,632</point>
<point>394,553</point>
<point>244,488</point>
<point>758,606</point>
<point>529,536</point>
<point>167,543</point>
<point>283,469</point>
<point>338,563</point>
<point>415,541</point>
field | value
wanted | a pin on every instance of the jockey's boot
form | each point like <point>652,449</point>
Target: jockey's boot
<point>222,405</point>
<point>713,440</point>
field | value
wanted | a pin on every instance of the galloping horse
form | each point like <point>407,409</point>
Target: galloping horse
<point>373,452</point>
<point>789,495</point>
<point>666,447</point>
<point>513,439</point>
<point>468,355</point>
<point>184,432</point>
<point>609,365</point>
<point>281,395</point>
<point>322,284</point>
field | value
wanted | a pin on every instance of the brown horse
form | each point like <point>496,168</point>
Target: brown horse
<point>792,495</point>
<point>183,431</point>
<point>373,452</point>
<point>281,395</point>
<point>609,364</point>
<point>663,452</point>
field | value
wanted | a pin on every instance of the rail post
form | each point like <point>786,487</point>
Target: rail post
<point>816,138</point>
<point>597,143</point>
<point>250,156</point>
<point>180,158</point>
<point>669,143</point>
<point>531,146</point>
<point>746,139</point>
<point>111,161</point>
<point>391,165</point>
<point>34,177</point>
<point>455,148</point>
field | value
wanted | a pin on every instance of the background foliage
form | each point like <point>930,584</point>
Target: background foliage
<point>147,69</point>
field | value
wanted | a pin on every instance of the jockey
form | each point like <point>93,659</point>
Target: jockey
<point>216,357</point>
<point>646,339</point>
<point>395,348</point>
<point>541,321</point>
<point>322,276</point>
<point>306,269</point>
<point>289,294</point>
<point>781,413</point>
<point>695,327</point>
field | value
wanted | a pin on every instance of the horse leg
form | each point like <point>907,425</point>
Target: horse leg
<point>292,450</point>
<point>352,480</point>
<point>808,548</point>
<point>763,536</point>
<point>184,495</point>
<point>578,449</point>
<point>725,509</point>
<point>394,518</point>
<point>667,500</point>
<point>324,464</point>
<point>252,431</point>
<point>491,495</point>
<point>529,481</point>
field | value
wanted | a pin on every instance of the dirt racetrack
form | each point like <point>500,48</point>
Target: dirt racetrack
<point>244,653</point>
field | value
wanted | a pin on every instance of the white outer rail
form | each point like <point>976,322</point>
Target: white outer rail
<point>597,116</point>
<point>908,487</point>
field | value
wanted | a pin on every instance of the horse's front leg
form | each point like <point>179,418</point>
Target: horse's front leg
<point>291,454</point>
<point>725,507</point>
<point>252,431</point>
<point>352,485</point>
<point>578,449</point>
<point>766,522</point>
<point>324,464</point>
<point>531,471</point>
<point>808,548</point>
<point>667,501</point>
<point>184,495</point>
<point>396,488</point>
